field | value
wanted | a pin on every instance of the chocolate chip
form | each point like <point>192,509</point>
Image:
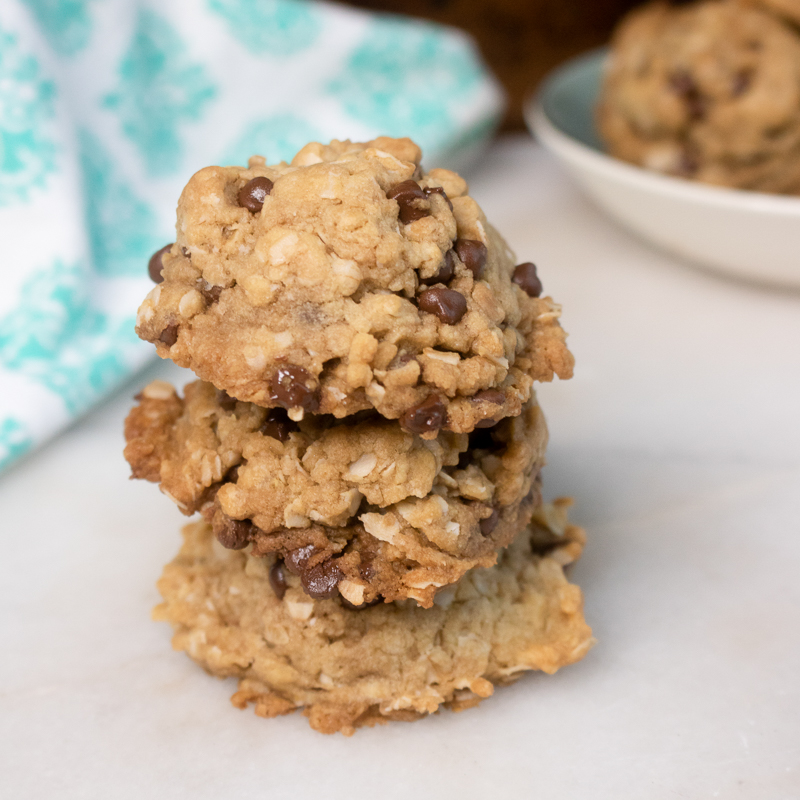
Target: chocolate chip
<point>169,335</point>
<point>232,533</point>
<point>446,304</point>
<point>210,292</point>
<point>741,83</point>
<point>367,570</point>
<point>225,401</point>
<point>296,560</point>
<point>278,425</point>
<point>252,195</point>
<point>698,107</point>
<point>318,581</point>
<point>472,254</point>
<point>293,387</point>
<point>445,272</point>
<point>400,360</point>
<point>493,396</point>
<point>321,581</point>
<point>490,523</point>
<point>406,192</point>
<point>409,197</point>
<point>526,278</point>
<point>486,423</point>
<point>155,265</point>
<point>186,253</point>
<point>277,580</point>
<point>684,84</point>
<point>438,190</point>
<point>428,416</point>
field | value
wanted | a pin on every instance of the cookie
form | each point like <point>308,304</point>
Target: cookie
<point>350,280</point>
<point>358,507</point>
<point>708,91</point>
<point>249,618</point>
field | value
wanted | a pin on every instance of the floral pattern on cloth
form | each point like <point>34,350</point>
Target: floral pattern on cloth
<point>104,117</point>
<point>160,89</point>
<point>59,338</point>
<point>27,151</point>
<point>429,68</point>
<point>277,27</point>
<point>280,135</point>
<point>14,440</point>
<point>66,24</point>
<point>119,224</point>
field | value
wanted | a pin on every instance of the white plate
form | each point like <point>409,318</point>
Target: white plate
<point>748,234</point>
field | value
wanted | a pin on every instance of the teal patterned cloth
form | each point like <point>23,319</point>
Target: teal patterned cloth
<point>108,106</point>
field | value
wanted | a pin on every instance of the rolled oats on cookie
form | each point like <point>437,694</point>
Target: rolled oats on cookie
<point>349,280</point>
<point>250,618</point>
<point>357,507</point>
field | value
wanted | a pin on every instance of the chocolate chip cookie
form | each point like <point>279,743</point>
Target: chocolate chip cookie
<point>357,507</point>
<point>248,617</point>
<point>349,280</point>
<point>708,91</point>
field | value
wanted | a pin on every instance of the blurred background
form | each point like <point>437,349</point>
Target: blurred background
<point>521,40</point>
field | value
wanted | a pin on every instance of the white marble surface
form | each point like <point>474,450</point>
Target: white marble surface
<point>679,437</point>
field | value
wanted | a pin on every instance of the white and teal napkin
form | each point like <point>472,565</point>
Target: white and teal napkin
<point>108,106</point>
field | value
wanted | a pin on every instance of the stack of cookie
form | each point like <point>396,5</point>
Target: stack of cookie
<point>364,443</point>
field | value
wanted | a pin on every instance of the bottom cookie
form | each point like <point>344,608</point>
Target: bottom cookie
<point>249,618</point>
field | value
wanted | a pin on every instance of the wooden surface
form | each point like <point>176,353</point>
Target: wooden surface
<point>521,40</point>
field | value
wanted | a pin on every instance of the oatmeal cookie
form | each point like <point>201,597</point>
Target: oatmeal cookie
<point>358,506</point>
<point>709,91</point>
<point>249,618</point>
<point>348,280</point>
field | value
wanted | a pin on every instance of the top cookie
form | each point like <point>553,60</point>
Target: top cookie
<point>351,279</point>
<point>708,91</point>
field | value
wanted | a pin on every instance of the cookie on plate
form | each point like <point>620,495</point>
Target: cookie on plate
<point>247,617</point>
<point>708,91</point>
<point>348,280</point>
<point>359,507</point>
